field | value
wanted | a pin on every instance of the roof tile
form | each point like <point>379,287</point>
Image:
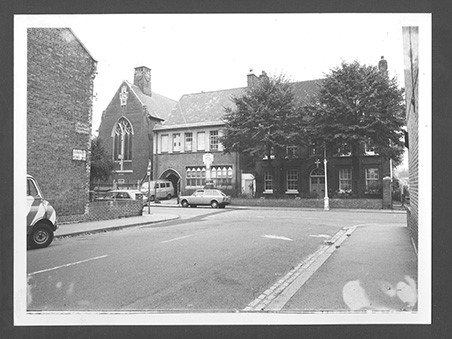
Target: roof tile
<point>202,108</point>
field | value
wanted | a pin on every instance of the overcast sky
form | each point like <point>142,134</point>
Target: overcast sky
<point>190,53</point>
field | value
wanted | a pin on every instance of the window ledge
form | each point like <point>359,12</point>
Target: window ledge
<point>268,192</point>
<point>124,171</point>
<point>292,192</point>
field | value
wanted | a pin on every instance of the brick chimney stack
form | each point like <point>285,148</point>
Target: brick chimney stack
<point>252,79</point>
<point>383,65</point>
<point>142,79</point>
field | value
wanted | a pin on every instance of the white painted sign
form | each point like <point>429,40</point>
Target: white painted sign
<point>78,154</point>
<point>82,128</point>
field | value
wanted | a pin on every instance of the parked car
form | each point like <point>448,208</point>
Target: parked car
<point>41,217</point>
<point>164,189</point>
<point>213,197</point>
<point>118,195</point>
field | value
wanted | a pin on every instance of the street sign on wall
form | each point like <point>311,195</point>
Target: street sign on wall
<point>79,155</point>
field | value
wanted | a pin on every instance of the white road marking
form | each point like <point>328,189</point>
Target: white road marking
<point>279,294</point>
<point>186,236</point>
<point>67,265</point>
<point>276,237</point>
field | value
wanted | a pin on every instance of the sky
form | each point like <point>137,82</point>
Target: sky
<point>191,53</point>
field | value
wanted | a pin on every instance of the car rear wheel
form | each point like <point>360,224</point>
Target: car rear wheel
<point>214,204</point>
<point>41,236</point>
<point>169,196</point>
<point>184,203</point>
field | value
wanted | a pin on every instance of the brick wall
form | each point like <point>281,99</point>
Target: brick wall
<point>60,74</point>
<point>106,210</point>
<point>141,143</point>
<point>374,204</point>
<point>410,41</point>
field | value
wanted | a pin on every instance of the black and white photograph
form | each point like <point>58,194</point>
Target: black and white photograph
<point>187,169</point>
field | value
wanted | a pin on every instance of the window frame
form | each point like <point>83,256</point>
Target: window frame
<point>268,182</point>
<point>214,140</point>
<point>187,136</point>
<point>176,142</point>
<point>370,179</point>
<point>164,146</point>
<point>202,139</point>
<point>348,179</point>
<point>292,181</point>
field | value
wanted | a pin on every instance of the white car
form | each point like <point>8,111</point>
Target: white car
<point>41,217</point>
<point>213,197</point>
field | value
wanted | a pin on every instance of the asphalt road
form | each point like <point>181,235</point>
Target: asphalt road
<point>209,260</point>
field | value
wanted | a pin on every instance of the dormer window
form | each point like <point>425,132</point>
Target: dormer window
<point>369,148</point>
<point>344,150</point>
<point>291,151</point>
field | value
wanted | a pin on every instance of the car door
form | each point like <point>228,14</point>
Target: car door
<point>197,197</point>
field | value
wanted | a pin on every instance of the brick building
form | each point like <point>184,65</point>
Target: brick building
<point>60,75</point>
<point>194,128</point>
<point>127,125</point>
<point>411,63</point>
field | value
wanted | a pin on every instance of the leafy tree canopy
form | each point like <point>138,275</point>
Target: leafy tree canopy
<point>101,164</point>
<point>264,121</point>
<point>358,104</point>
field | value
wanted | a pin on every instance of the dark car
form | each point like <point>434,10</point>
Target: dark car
<point>213,197</point>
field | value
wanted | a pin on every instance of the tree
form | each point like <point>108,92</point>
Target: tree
<point>101,164</point>
<point>358,104</point>
<point>264,121</point>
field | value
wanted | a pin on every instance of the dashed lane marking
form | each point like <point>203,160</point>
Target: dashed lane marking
<point>276,237</point>
<point>174,239</point>
<point>67,265</point>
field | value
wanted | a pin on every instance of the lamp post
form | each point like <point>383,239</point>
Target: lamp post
<point>149,186</point>
<point>326,200</point>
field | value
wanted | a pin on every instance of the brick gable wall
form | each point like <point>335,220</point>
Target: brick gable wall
<point>142,137</point>
<point>60,76</point>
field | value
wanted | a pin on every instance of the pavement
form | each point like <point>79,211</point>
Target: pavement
<point>363,268</point>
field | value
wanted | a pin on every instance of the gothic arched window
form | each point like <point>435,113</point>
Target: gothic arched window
<point>122,140</point>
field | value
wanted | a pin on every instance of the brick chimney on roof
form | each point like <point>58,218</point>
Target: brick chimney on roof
<point>252,79</point>
<point>142,79</point>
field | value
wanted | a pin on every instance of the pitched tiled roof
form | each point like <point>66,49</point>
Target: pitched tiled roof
<point>208,108</point>
<point>158,106</point>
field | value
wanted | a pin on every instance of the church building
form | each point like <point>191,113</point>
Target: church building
<point>127,125</point>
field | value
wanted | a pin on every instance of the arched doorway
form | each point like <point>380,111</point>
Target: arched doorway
<point>174,177</point>
<point>317,181</point>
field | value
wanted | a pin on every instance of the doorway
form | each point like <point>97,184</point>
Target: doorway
<point>174,177</point>
<point>317,181</point>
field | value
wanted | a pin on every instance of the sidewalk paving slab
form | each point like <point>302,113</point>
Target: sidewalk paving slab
<point>374,269</point>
